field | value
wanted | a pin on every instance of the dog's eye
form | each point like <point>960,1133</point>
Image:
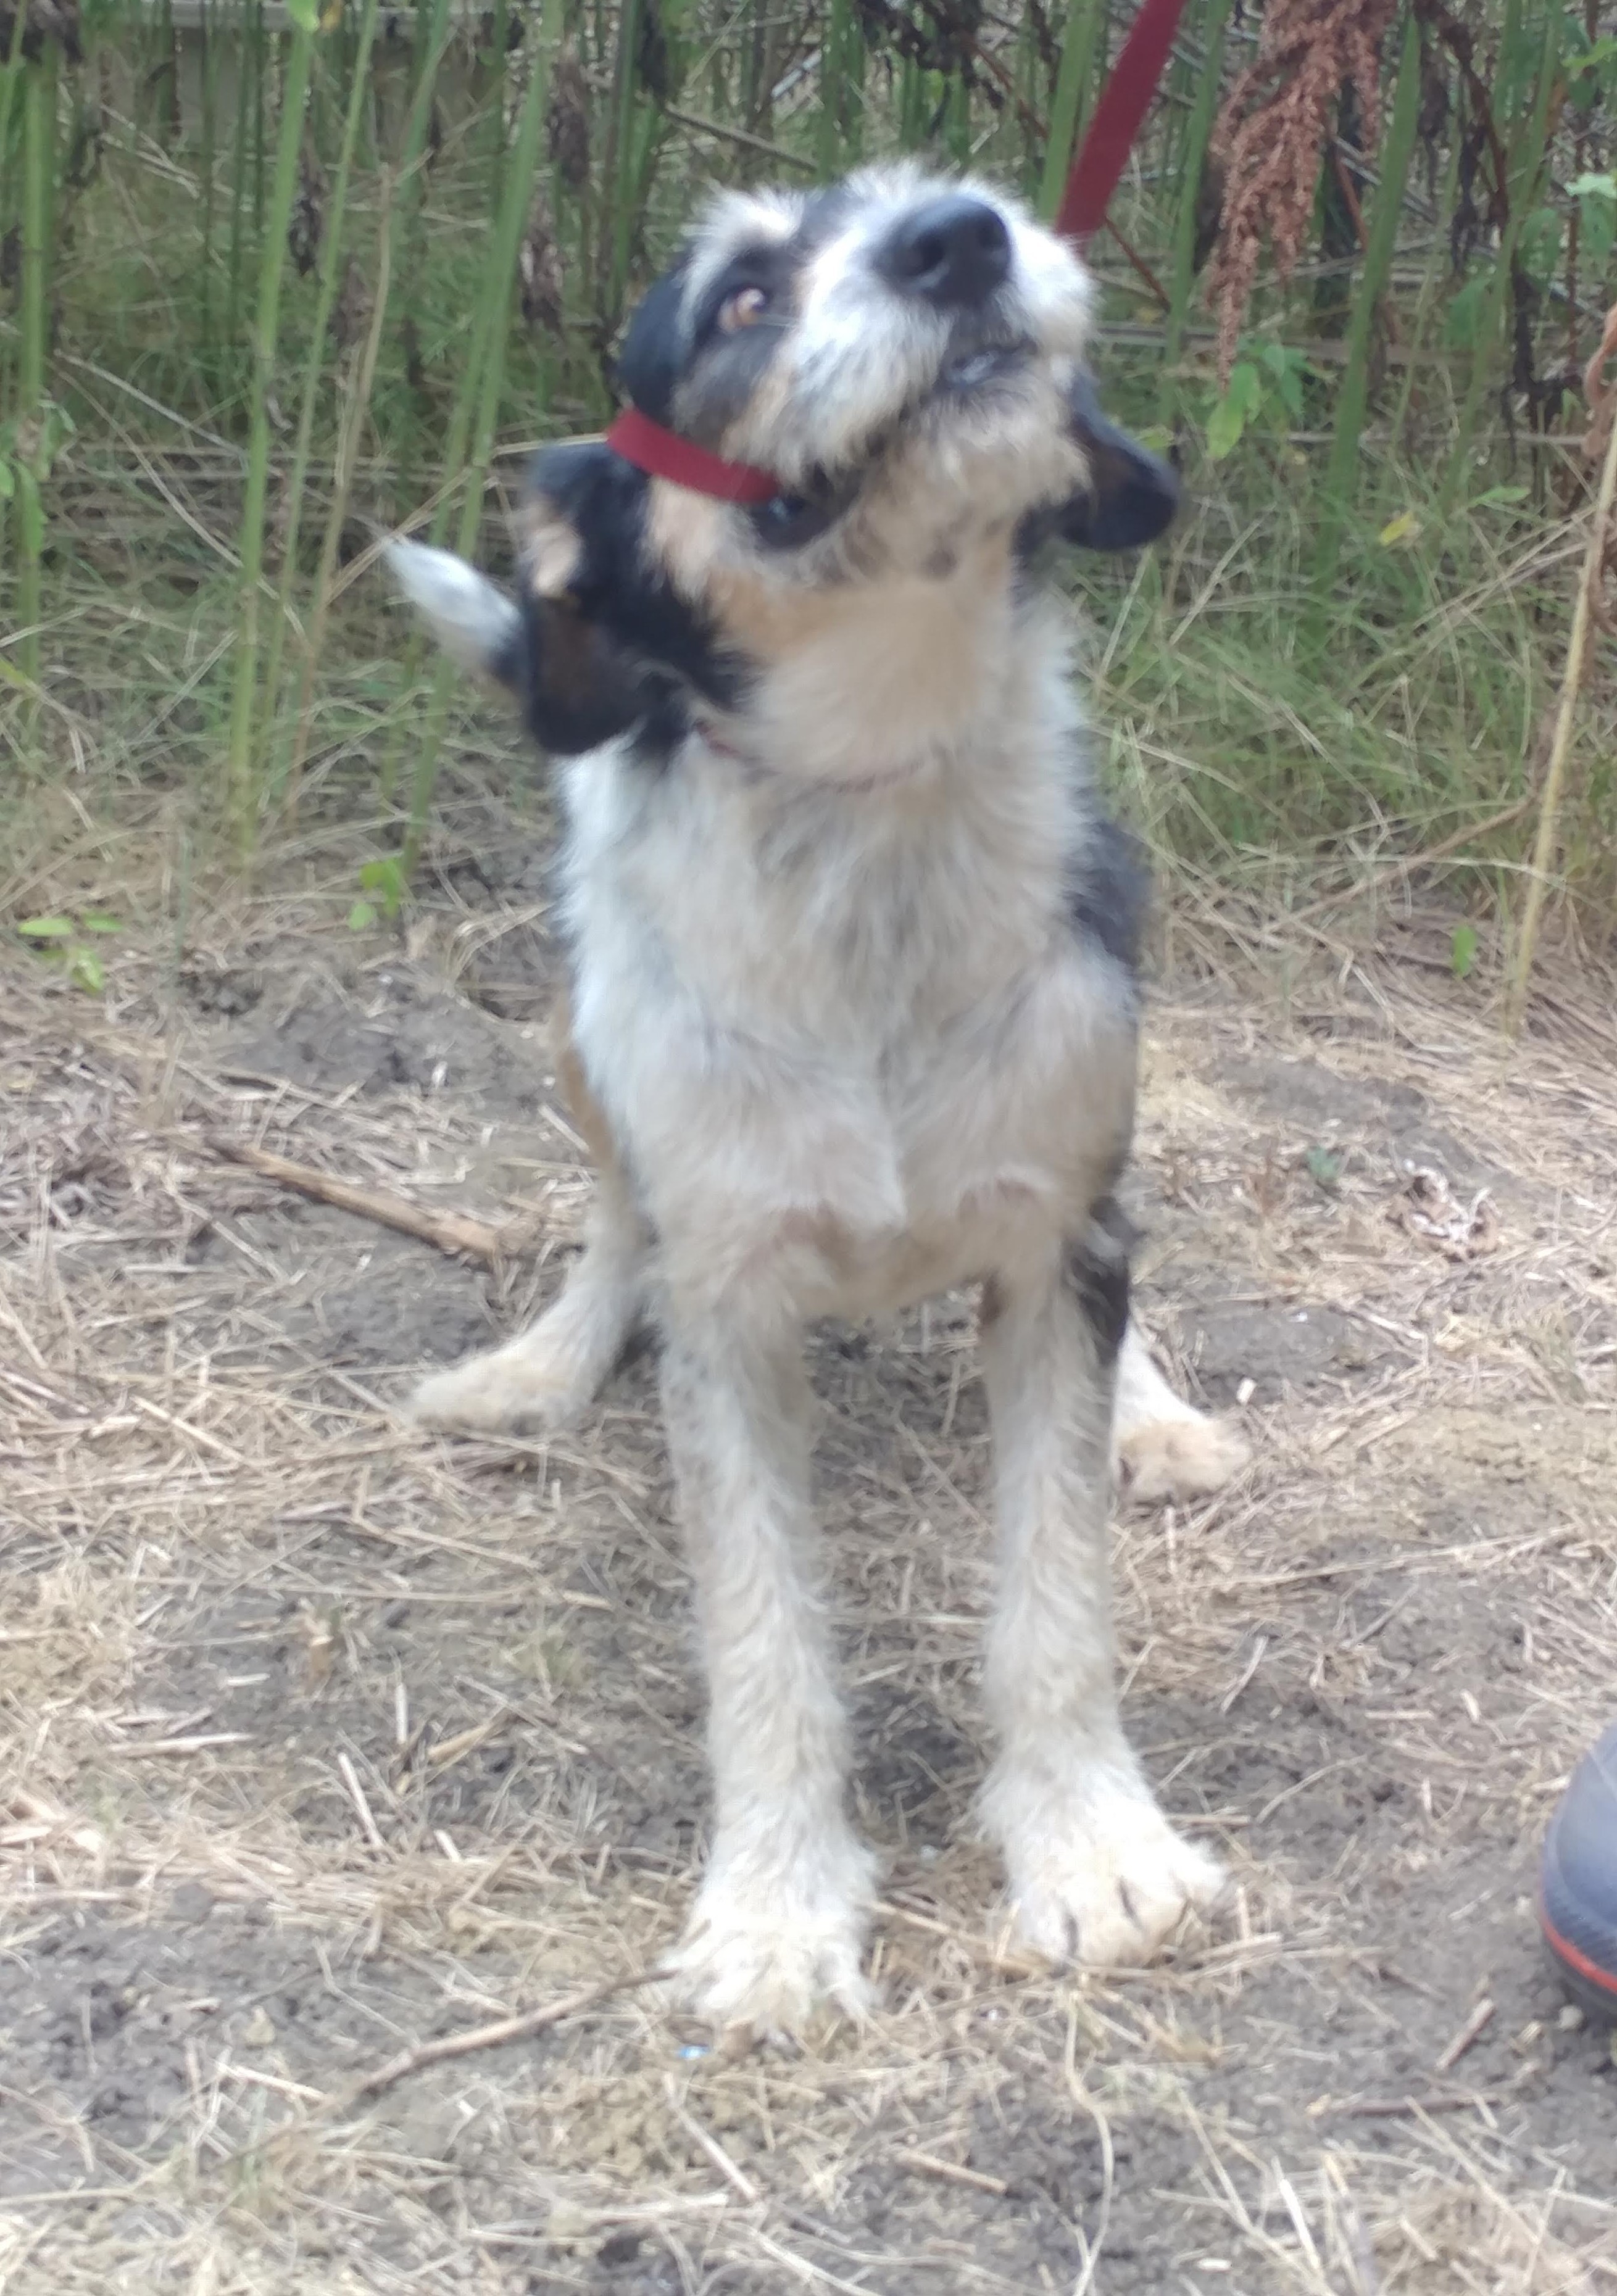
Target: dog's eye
<point>788,521</point>
<point>744,308</point>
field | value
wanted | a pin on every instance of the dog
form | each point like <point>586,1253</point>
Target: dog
<point>853,1003</point>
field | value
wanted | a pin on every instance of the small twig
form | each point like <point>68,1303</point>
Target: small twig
<point>451,1232</point>
<point>1393,2108</point>
<point>1469,2031</point>
<point>1247,1672</point>
<point>351,1779</point>
<point>952,2172</point>
<point>520,2028</point>
<point>1003,1964</point>
<point>739,135</point>
<point>738,2181</point>
<point>1137,263</point>
<point>182,1745</point>
<point>1409,863</point>
<point>464,1741</point>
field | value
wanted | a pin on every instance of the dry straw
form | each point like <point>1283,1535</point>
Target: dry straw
<point>1587,611</point>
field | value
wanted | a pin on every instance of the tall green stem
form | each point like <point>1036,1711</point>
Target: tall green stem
<point>484,380</point>
<point>1380,240</point>
<point>38,173</point>
<point>1527,156</point>
<point>830,128</point>
<point>238,773</point>
<point>1084,21</point>
<point>331,261</point>
<point>1198,135</point>
<point>355,409</point>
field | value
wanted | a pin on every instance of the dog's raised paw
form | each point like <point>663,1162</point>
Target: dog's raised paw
<point>1108,1882</point>
<point>498,1394</point>
<point>765,1958</point>
<point>1178,1459</point>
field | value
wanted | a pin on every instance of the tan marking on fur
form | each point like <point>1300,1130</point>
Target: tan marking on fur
<point>552,550</point>
<point>770,620</point>
<point>769,404</point>
<point>585,1110</point>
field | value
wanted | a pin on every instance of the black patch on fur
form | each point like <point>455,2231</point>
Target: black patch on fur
<point>1097,1269</point>
<point>1110,897</point>
<point>655,350</point>
<point>623,649</point>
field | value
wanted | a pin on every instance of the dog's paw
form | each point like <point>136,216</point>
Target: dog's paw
<point>1179,1459</point>
<point>765,1952</point>
<point>504,1393</point>
<point>1105,1881</point>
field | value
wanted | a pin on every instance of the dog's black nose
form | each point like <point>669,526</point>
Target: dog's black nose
<point>954,252</point>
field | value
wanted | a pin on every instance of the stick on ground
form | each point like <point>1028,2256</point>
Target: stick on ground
<point>451,1232</point>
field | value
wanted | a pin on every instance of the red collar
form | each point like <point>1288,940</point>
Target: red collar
<point>665,455</point>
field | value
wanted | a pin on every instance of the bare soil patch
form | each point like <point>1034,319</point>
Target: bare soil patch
<point>323,1738</point>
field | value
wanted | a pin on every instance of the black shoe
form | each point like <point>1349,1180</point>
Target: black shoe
<point>1578,1882</point>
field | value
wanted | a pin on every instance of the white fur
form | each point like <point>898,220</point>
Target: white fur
<point>829,997</point>
<point>474,620</point>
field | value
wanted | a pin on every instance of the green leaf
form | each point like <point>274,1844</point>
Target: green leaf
<point>1596,230</point>
<point>1594,187</point>
<point>1540,245</point>
<point>47,928</point>
<point>1404,528</point>
<point>1465,314</point>
<point>85,969</point>
<point>8,485</point>
<point>1499,497</point>
<point>1246,388</point>
<point>96,920</point>
<point>1224,425</point>
<point>1325,1168</point>
<point>305,14</point>
<point>1463,950</point>
<point>384,880</point>
<point>362,916</point>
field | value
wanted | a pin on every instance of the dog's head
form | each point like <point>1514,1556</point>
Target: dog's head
<point>904,355</point>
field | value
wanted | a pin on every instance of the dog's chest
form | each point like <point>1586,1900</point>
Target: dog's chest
<point>861,1046</point>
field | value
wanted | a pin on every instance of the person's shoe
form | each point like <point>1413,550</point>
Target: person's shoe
<point>1578,1882</point>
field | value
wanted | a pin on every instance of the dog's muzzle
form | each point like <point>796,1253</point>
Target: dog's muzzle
<point>954,253</point>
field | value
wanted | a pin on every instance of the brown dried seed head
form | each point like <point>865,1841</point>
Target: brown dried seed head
<point>351,308</point>
<point>539,273</point>
<point>567,122</point>
<point>1272,131</point>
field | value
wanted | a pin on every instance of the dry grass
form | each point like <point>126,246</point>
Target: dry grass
<point>323,1740</point>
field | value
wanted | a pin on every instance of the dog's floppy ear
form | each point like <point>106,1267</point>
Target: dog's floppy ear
<point>1131,496</point>
<point>648,364</point>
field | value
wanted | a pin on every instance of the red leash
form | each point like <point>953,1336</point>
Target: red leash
<point>1125,100</point>
<point>1096,173</point>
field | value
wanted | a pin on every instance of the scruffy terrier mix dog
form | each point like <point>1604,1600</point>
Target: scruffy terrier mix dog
<point>853,1002</point>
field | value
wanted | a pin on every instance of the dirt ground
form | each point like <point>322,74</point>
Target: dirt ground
<point>324,1739</point>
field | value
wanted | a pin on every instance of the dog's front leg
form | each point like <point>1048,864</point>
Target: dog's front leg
<point>1095,1872</point>
<point>780,1918</point>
